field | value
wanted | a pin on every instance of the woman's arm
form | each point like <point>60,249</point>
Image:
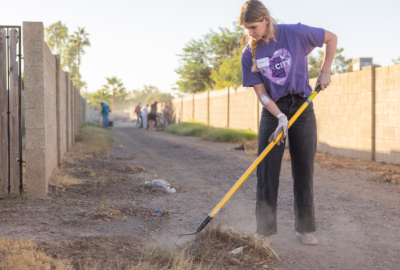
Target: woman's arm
<point>324,77</point>
<point>271,106</point>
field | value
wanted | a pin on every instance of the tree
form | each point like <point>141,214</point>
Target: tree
<point>230,71</point>
<point>396,61</point>
<point>116,88</point>
<point>69,47</point>
<point>194,70</point>
<point>102,95</point>
<point>57,37</point>
<point>69,57</point>
<point>201,57</point>
<point>148,94</point>
<point>159,97</point>
<point>315,63</point>
<point>81,40</point>
<point>340,63</point>
<point>224,43</point>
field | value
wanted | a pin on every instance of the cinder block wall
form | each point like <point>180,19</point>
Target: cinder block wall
<point>61,98</point>
<point>70,114</point>
<point>50,110</point>
<point>177,110</point>
<point>242,108</point>
<point>49,103</point>
<point>219,108</point>
<point>201,107</point>
<point>358,116</point>
<point>344,115</point>
<point>387,96</point>
<point>187,105</point>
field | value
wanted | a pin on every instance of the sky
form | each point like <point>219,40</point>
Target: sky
<point>139,41</point>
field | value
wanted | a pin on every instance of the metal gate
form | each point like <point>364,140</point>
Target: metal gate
<point>10,111</point>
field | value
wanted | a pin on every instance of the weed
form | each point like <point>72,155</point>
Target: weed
<point>105,208</point>
<point>94,139</point>
<point>23,254</point>
<point>219,241</point>
<point>211,133</point>
<point>163,258</point>
<point>62,180</point>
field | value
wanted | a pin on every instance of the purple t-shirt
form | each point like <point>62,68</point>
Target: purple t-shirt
<point>283,63</point>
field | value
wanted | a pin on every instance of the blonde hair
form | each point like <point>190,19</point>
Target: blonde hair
<point>254,11</point>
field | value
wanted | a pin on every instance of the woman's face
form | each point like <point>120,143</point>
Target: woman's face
<point>256,29</point>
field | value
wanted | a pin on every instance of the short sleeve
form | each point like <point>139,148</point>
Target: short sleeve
<point>249,78</point>
<point>311,37</point>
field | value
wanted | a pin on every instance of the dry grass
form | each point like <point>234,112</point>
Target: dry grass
<point>23,254</point>
<point>251,148</point>
<point>106,208</point>
<point>134,168</point>
<point>17,254</point>
<point>158,258</point>
<point>219,241</point>
<point>211,133</point>
<point>94,140</point>
<point>62,180</point>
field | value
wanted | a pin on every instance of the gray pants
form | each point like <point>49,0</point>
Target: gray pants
<point>302,147</point>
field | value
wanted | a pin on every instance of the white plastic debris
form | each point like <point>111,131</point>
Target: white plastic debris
<point>169,190</point>
<point>158,183</point>
<point>236,251</point>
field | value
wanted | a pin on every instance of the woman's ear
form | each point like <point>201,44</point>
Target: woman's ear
<point>266,18</point>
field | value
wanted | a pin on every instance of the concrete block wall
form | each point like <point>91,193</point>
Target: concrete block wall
<point>357,117</point>
<point>187,105</point>
<point>49,103</point>
<point>387,108</point>
<point>177,110</point>
<point>344,115</point>
<point>201,107</point>
<point>243,108</point>
<point>219,108</point>
<point>61,103</point>
<point>35,109</point>
<point>50,109</point>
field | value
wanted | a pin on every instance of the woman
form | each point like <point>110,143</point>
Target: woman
<point>153,115</point>
<point>274,63</point>
<point>144,116</point>
<point>165,111</point>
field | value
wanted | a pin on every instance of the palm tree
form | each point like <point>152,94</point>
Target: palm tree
<point>80,40</point>
<point>102,95</point>
<point>115,86</point>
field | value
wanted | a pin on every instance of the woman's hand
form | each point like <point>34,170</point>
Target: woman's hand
<point>324,79</point>
<point>282,126</point>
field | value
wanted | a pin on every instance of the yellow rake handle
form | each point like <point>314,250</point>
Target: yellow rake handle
<point>263,154</point>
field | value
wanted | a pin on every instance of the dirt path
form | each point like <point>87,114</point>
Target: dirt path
<point>357,218</point>
<point>108,218</point>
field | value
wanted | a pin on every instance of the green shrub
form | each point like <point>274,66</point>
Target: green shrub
<point>91,133</point>
<point>211,133</point>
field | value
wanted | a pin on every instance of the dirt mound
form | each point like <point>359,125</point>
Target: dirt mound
<point>218,242</point>
<point>251,148</point>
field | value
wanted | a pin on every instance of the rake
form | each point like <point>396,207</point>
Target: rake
<point>245,175</point>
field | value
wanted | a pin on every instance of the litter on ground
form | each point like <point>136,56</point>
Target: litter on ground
<point>158,183</point>
<point>236,251</point>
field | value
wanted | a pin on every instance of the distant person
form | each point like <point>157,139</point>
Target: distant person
<point>144,116</point>
<point>153,115</point>
<point>274,63</point>
<point>166,110</point>
<point>138,115</point>
<point>105,111</point>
